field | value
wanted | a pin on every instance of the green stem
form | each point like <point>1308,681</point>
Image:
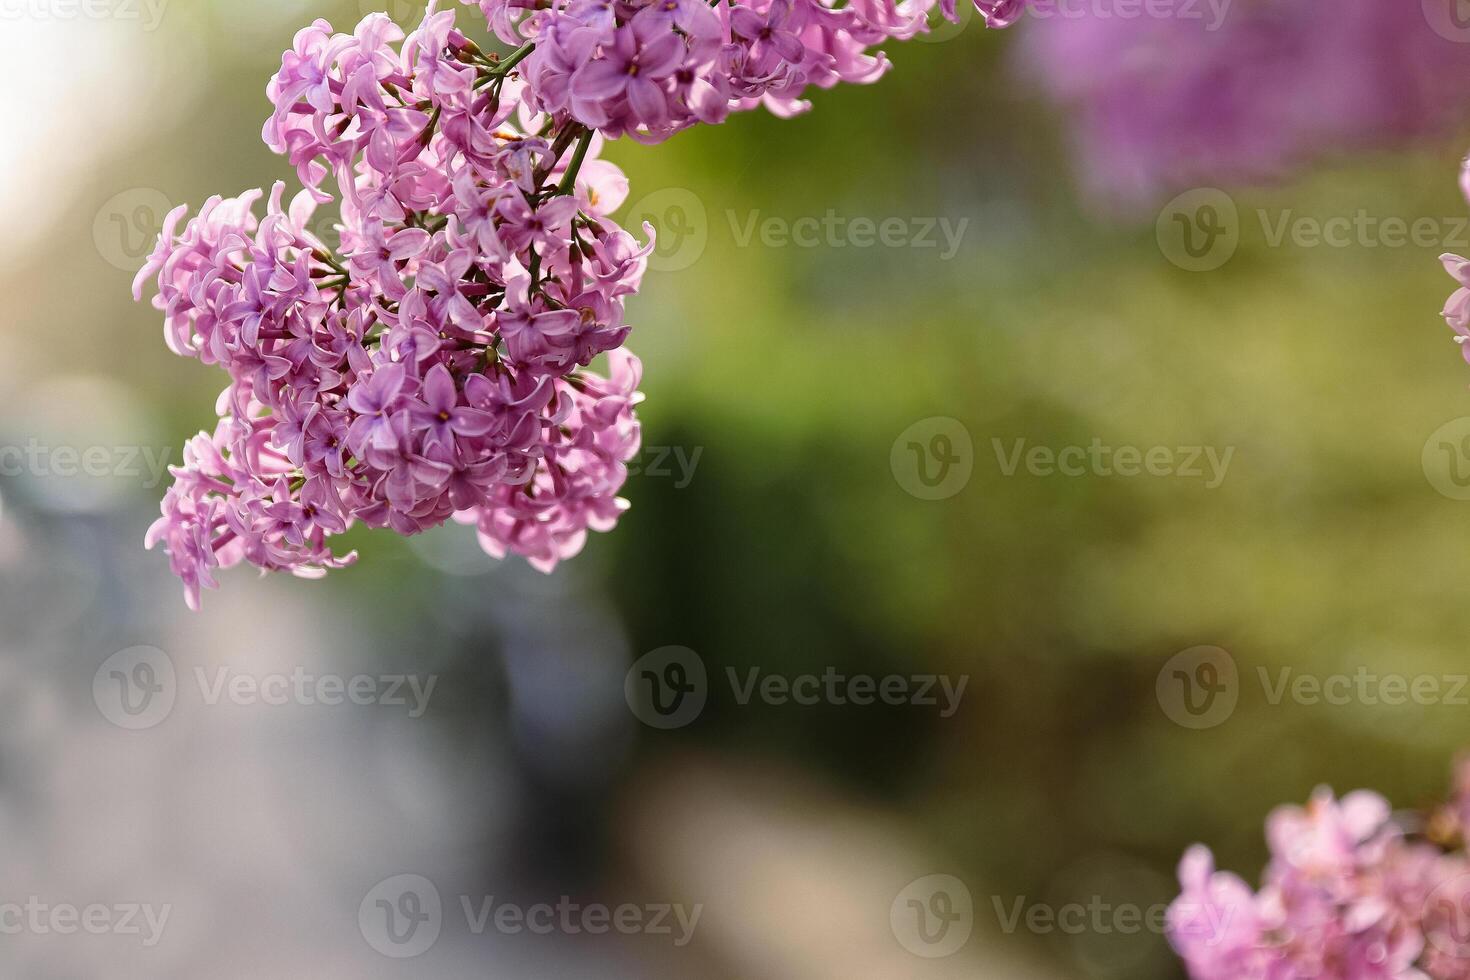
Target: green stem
<point>516,57</point>
<point>427,136</point>
<point>569,181</point>
<point>502,68</point>
<point>330,260</point>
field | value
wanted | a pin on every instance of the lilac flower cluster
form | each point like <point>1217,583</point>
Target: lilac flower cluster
<point>435,369</point>
<point>434,365</point>
<point>1352,892</point>
<point>1192,94</point>
<point>650,69</point>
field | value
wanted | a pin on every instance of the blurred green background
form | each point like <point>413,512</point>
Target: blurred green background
<point>794,547</point>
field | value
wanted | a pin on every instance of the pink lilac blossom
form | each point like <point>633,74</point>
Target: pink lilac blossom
<point>1350,893</point>
<point>1457,309</point>
<point>1239,93</point>
<point>434,364</point>
<point>649,68</point>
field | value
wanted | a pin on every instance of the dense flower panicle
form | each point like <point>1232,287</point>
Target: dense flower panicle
<point>1349,894</point>
<point>1166,103</point>
<point>649,68</point>
<point>431,363</point>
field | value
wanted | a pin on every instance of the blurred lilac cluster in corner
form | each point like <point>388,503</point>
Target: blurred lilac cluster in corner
<point>1179,92</point>
<point>1353,891</point>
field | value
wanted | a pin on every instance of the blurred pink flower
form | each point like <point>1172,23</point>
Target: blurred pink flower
<point>1347,895</point>
<point>1239,93</point>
